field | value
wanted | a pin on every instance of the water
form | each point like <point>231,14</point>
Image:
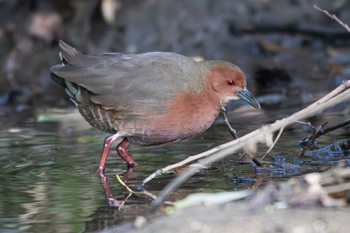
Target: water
<point>48,168</point>
<point>49,181</point>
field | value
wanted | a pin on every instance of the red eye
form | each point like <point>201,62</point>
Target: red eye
<point>230,82</point>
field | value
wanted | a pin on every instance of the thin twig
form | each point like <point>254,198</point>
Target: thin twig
<point>171,167</point>
<point>232,130</point>
<point>309,141</point>
<point>334,127</point>
<point>137,193</point>
<point>319,131</point>
<point>307,124</point>
<point>334,17</point>
<point>273,144</point>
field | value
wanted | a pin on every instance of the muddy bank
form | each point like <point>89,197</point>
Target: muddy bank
<point>235,217</point>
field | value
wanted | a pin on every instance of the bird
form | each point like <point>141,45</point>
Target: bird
<point>153,98</point>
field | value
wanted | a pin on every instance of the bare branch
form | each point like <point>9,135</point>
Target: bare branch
<point>334,17</point>
<point>273,145</point>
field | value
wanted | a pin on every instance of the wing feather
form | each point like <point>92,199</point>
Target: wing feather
<point>129,80</point>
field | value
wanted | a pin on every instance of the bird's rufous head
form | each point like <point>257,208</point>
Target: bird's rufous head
<point>230,83</point>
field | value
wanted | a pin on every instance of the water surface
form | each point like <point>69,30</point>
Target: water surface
<point>49,181</point>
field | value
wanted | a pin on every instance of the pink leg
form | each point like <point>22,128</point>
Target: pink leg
<point>106,146</point>
<point>121,149</point>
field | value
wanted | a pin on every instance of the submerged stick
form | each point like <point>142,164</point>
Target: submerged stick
<point>309,141</point>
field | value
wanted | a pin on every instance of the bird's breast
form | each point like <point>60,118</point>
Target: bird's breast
<point>187,115</point>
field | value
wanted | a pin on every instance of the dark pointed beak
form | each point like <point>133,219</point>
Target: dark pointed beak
<point>249,98</point>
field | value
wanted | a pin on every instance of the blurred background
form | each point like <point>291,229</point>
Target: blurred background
<point>291,53</point>
<point>254,34</point>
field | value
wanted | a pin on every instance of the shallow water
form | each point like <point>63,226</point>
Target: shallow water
<point>49,181</point>
<point>48,169</point>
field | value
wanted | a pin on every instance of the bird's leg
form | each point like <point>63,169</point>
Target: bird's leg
<point>232,130</point>
<point>106,146</point>
<point>121,149</point>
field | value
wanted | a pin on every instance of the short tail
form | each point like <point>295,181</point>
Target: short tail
<point>66,54</point>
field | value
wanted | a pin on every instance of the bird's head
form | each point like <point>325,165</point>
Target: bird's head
<point>230,83</point>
